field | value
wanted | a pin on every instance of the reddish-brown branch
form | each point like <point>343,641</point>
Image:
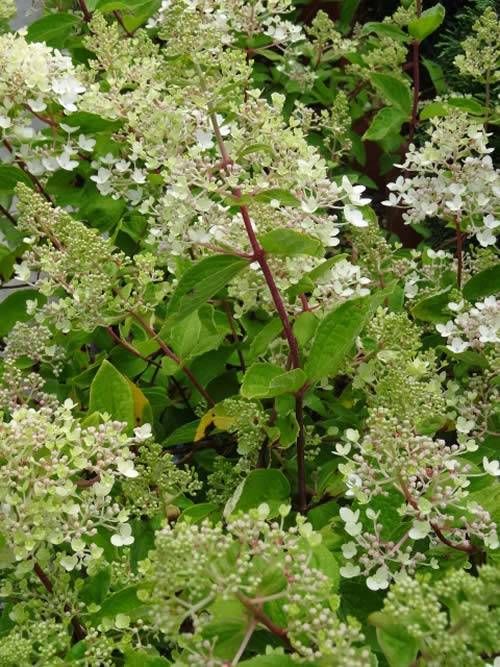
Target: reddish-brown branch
<point>170,354</point>
<point>119,18</point>
<point>464,547</point>
<point>85,10</point>
<point>78,629</point>
<point>416,79</point>
<point>8,214</point>
<point>264,619</point>
<point>260,257</point>
<point>459,252</point>
<point>126,346</point>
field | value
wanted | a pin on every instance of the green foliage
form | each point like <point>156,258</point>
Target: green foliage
<point>248,416</point>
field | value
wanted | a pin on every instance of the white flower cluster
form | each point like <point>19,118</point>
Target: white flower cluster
<point>35,74</point>
<point>64,154</point>
<point>332,284</point>
<point>453,178</point>
<point>473,327</point>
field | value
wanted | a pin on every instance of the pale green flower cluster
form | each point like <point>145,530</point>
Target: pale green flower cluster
<point>56,482</point>
<point>398,451</point>
<point>197,571</point>
<point>102,285</point>
<point>480,59</point>
<point>7,9</point>
<point>453,620</point>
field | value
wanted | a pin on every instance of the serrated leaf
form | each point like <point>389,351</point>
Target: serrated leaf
<point>335,337</point>
<point>428,22</point>
<point>283,196</point>
<point>266,335</point>
<point>385,30</point>
<point>13,308</point>
<point>111,392</point>
<point>394,91</point>
<point>386,121</point>
<point>10,176</point>
<point>53,29</point>
<point>260,486</point>
<point>265,380</point>
<point>436,73</point>
<point>399,647</point>
<point>199,283</point>
<point>483,284</point>
<point>121,602</point>
<point>289,242</point>
<point>433,308</point>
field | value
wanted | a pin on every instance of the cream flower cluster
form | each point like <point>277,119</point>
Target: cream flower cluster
<point>473,327</point>
<point>453,177</point>
<point>36,74</point>
<point>56,479</point>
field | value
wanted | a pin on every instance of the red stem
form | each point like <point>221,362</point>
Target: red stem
<point>119,18</point>
<point>78,629</point>
<point>263,618</point>
<point>260,257</point>
<point>85,11</point>
<point>459,252</point>
<point>416,80</point>
<point>168,353</point>
<point>466,548</point>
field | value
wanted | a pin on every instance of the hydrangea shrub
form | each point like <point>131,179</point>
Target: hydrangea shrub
<point>242,422</point>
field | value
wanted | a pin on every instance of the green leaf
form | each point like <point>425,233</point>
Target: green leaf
<point>347,14</point>
<point>394,91</point>
<point>265,380</point>
<point>433,308</point>
<point>183,434</point>
<point>260,486</point>
<point>483,284</point>
<point>399,647</point>
<point>427,23</point>
<point>111,392</point>
<point>335,337</point>
<point>95,588</point>
<point>196,334</point>
<point>122,602</point>
<point>468,104</point>
<point>13,308</point>
<point>266,335</point>
<point>305,327</point>
<point>200,512</point>
<point>199,283</point>
<point>283,196</point>
<point>53,29</point>
<point>385,30</point>
<point>269,661</point>
<point>289,242</point>
<point>143,658</point>
<point>107,6</point>
<point>91,123</point>
<point>324,561</point>
<point>10,176</point>
<point>386,121</point>
<point>255,148</point>
<point>434,109</point>
<point>436,73</point>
